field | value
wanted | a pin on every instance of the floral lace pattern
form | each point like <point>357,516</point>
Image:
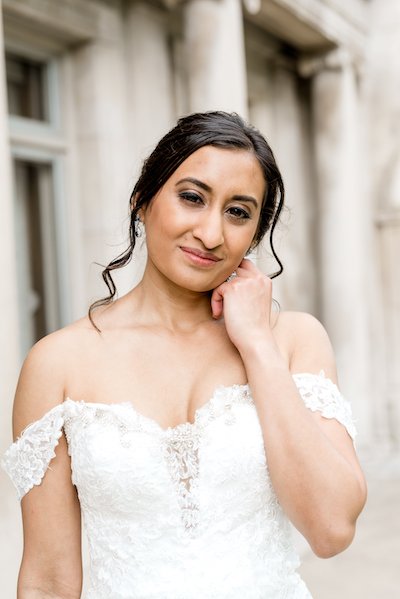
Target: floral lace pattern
<point>183,513</point>
<point>181,449</point>
<point>319,393</point>
<point>29,457</point>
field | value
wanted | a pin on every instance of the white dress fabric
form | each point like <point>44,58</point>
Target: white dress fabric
<point>182,513</point>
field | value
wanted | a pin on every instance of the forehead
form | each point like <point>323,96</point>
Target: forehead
<point>235,171</point>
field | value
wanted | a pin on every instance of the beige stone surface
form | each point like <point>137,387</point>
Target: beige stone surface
<point>343,228</point>
<point>320,78</point>
<point>10,528</point>
<point>370,567</point>
<point>215,56</point>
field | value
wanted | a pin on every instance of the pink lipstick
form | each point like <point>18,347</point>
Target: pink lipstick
<point>198,257</point>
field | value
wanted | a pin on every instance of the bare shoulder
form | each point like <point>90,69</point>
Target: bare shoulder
<point>306,342</point>
<point>44,373</point>
<point>50,509</point>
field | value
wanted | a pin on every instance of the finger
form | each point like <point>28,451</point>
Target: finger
<point>247,269</point>
<point>248,265</point>
<point>242,272</point>
<point>217,301</point>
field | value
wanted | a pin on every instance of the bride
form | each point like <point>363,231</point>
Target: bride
<point>186,421</point>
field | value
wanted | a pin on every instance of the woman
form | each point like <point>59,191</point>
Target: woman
<point>174,487</point>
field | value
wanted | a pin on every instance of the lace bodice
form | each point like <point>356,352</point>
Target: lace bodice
<point>182,513</point>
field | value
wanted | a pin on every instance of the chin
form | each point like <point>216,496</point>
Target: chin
<point>195,284</point>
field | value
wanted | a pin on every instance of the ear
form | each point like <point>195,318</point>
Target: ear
<point>141,213</point>
<point>132,201</point>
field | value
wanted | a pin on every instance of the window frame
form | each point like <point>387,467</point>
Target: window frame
<point>43,143</point>
<point>55,162</point>
<point>21,125</point>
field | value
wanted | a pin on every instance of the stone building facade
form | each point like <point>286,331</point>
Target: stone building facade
<point>86,89</point>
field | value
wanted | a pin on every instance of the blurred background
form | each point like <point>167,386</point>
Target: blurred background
<point>87,87</point>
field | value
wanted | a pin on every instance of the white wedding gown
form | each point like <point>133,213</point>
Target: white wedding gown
<point>183,513</point>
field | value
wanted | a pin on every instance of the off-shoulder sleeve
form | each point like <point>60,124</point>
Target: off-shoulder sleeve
<point>320,393</point>
<point>29,457</point>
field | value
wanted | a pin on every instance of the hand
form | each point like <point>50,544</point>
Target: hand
<point>245,302</point>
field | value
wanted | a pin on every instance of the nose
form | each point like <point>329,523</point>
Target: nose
<point>209,229</point>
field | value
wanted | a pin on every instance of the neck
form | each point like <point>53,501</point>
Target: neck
<point>160,301</point>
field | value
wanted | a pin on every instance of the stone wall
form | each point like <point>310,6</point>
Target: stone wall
<point>10,526</point>
<point>382,105</point>
<point>318,77</point>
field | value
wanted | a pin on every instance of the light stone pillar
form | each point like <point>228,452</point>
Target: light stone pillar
<point>150,94</point>
<point>149,77</point>
<point>345,272</point>
<point>10,520</point>
<point>382,84</point>
<point>104,171</point>
<point>295,289</point>
<point>215,53</point>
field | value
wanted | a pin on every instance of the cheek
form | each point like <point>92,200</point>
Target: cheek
<point>171,220</point>
<point>241,238</point>
<point>163,225</point>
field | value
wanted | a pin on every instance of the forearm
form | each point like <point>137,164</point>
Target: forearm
<point>43,592</point>
<point>315,485</point>
<point>45,579</point>
<point>37,593</point>
<point>28,588</point>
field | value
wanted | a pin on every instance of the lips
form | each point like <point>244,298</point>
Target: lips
<point>199,257</point>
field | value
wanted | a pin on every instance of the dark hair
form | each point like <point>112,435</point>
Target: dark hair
<point>218,129</point>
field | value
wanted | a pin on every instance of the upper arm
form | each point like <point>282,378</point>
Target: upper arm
<point>311,349</point>
<point>51,515</point>
<point>312,352</point>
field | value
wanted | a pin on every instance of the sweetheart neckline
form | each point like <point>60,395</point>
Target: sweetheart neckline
<point>198,411</point>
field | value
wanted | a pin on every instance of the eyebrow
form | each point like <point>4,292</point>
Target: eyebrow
<point>207,188</point>
<point>204,186</point>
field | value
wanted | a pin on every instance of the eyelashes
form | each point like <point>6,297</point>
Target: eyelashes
<point>237,212</point>
<point>191,197</point>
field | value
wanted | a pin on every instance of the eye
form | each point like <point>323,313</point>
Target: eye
<point>239,213</point>
<point>190,196</point>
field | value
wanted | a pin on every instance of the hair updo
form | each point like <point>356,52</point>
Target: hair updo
<point>218,129</point>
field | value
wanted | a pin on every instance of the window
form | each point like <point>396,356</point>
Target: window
<point>40,226</point>
<point>26,88</point>
<point>37,270</point>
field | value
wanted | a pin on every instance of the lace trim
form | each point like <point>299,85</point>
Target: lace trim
<point>29,457</point>
<point>180,446</point>
<point>320,393</point>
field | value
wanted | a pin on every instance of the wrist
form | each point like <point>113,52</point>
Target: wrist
<point>261,350</point>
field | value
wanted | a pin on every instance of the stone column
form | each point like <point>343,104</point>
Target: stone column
<point>150,93</point>
<point>104,170</point>
<point>10,521</point>
<point>295,289</point>
<point>345,268</point>
<point>149,77</point>
<point>215,54</point>
<point>382,82</point>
